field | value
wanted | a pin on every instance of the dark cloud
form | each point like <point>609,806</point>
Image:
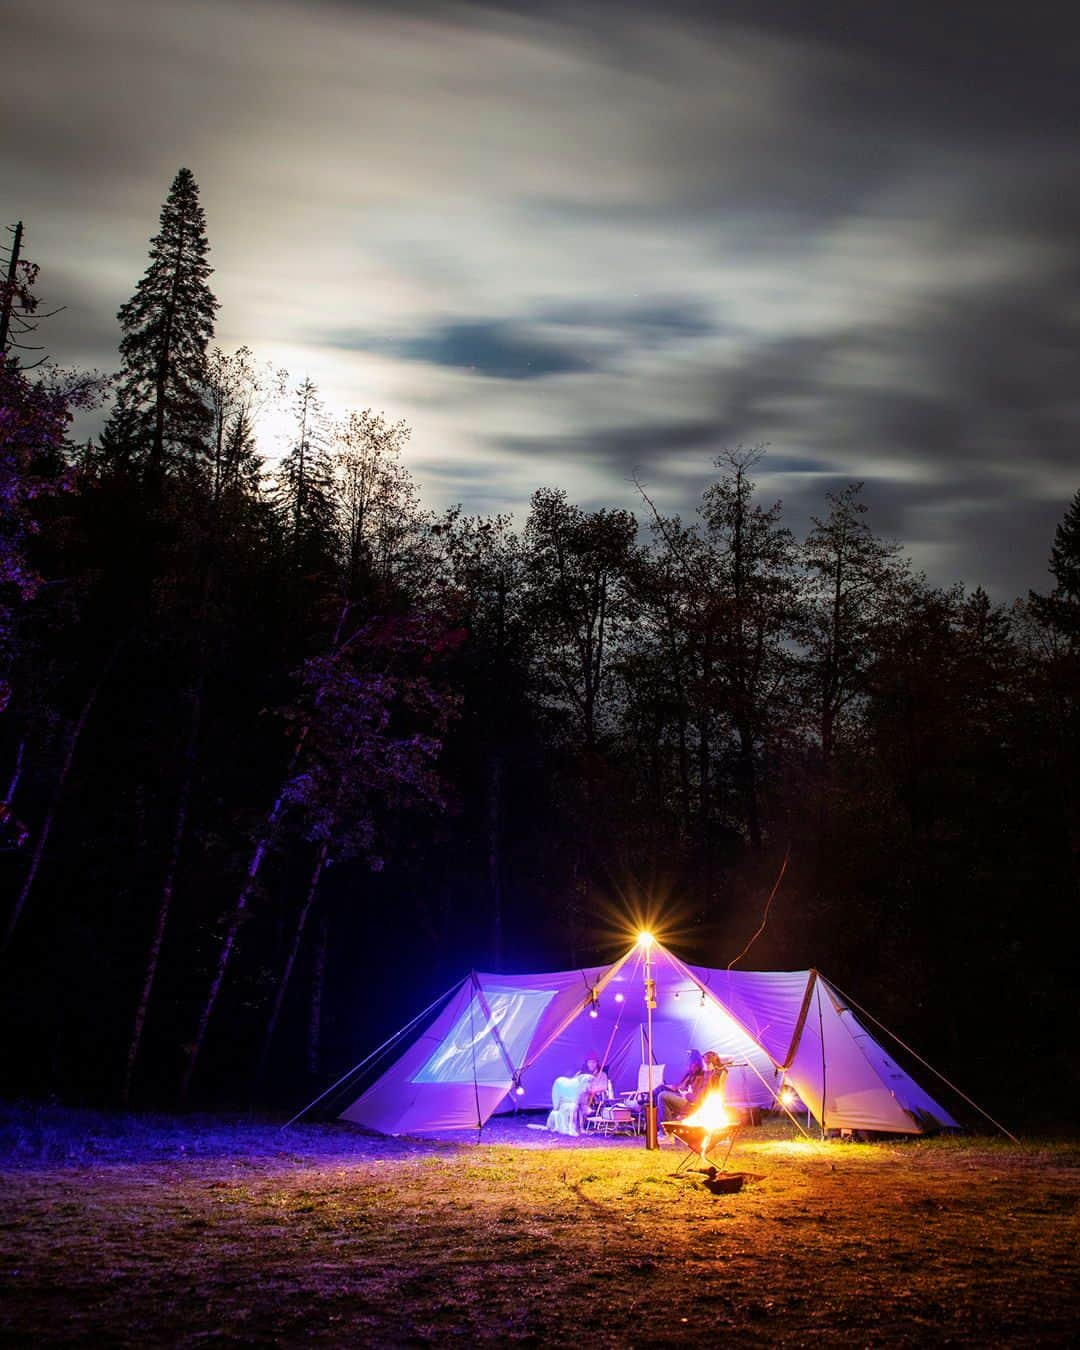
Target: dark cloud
<point>657,322</point>
<point>504,351</point>
<point>587,239</point>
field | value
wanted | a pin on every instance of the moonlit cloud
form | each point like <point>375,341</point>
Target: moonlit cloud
<point>571,243</point>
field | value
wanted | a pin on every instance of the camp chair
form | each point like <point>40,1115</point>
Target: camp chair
<point>641,1092</point>
<point>614,1116</point>
<point>635,1101</point>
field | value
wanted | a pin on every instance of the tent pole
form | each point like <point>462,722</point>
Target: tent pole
<point>375,1053</point>
<point>651,1139</point>
<point>936,1072</point>
<point>821,1033</point>
<point>472,1045</point>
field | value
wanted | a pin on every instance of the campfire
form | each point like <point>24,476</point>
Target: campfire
<point>702,1127</point>
<point>712,1114</point>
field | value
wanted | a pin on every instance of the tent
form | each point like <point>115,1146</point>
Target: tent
<point>500,1040</point>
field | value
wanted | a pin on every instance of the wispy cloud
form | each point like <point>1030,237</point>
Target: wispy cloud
<point>568,242</point>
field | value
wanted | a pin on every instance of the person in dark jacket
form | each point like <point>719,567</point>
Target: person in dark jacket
<point>704,1074</point>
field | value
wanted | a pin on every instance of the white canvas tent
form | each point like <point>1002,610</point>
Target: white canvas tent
<point>500,1040</point>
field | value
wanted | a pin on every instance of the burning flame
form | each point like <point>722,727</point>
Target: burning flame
<point>711,1114</point>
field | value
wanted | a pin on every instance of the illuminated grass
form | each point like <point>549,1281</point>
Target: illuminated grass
<point>132,1231</point>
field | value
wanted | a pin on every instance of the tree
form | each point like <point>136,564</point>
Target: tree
<point>19,304</point>
<point>167,325</point>
<point>304,496</point>
<point>34,417</point>
<point>855,583</point>
<point>757,573</point>
<point>378,507</point>
<point>1055,648</point>
<point>723,600</point>
<point>574,569</point>
<point>377,720</point>
<point>1061,608</point>
<point>486,563</point>
<point>237,390</point>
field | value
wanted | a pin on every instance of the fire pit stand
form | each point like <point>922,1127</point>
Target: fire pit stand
<point>700,1140</point>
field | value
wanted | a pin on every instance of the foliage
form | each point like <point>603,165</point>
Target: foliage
<point>240,691</point>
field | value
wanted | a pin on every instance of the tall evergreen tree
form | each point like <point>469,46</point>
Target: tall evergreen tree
<point>167,325</point>
<point>305,490</point>
<point>1061,609</point>
<point>855,584</point>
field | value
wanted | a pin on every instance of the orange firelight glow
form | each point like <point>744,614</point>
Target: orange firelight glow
<point>711,1114</point>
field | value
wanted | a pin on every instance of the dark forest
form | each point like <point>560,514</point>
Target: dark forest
<point>284,752</point>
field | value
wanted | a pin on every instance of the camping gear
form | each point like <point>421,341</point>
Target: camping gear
<point>701,1139</point>
<point>499,1041</point>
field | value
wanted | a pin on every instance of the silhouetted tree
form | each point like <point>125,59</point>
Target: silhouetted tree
<point>856,583</point>
<point>167,325</point>
<point>1061,608</point>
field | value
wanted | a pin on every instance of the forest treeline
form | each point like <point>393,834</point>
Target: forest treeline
<point>283,752</point>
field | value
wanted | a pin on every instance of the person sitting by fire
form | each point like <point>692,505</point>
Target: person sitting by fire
<point>704,1074</point>
<point>599,1089</point>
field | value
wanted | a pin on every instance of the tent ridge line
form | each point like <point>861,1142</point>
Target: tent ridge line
<point>486,1007</point>
<point>800,1021</point>
<point>597,988</point>
<point>707,989</point>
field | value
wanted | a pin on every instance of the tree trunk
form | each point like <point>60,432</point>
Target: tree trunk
<point>748,776</point>
<point>495,816</point>
<point>704,747</point>
<point>58,792</point>
<point>265,840</point>
<point>290,960</point>
<point>318,987</point>
<point>168,884</point>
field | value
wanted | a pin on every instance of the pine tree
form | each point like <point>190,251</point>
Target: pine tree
<point>167,325</point>
<point>122,443</point>
<point>305,487</point>
<point>1061,609</point>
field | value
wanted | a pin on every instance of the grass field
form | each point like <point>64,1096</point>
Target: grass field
<point>139,1231</point>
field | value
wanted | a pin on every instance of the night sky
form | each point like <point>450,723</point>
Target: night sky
<point>568,243</point>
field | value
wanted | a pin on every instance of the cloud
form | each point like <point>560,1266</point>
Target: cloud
<point>501,350</point>
<point>567,242</point>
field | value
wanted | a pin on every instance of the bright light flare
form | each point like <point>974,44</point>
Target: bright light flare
<point>712,1114</point>
<point>788,1097</point>
<point>645,939</point>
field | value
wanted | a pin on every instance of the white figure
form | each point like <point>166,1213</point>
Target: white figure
<point>568,1097</point>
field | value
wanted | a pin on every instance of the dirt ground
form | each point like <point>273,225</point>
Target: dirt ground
<point>129,1231</point>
